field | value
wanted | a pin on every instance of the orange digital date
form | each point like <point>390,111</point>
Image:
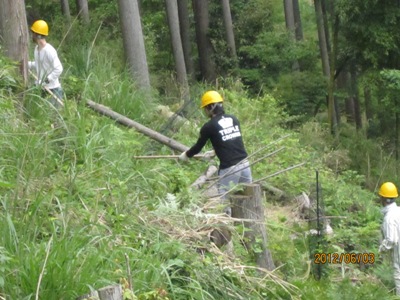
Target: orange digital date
<point>346,258</point>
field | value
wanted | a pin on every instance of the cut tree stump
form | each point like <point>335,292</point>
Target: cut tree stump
<point>248,205</point>
<point>111,292</point>
<point>93,295</point>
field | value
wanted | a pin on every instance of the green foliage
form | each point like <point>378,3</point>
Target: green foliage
<point>71,192</point>
<point>302,93</point>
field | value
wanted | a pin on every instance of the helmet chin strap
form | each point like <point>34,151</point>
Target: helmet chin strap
<point>212,108</point>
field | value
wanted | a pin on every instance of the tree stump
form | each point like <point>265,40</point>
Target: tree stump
<point>111,292</point>
<point>93,295</point>
<point>248,205</point>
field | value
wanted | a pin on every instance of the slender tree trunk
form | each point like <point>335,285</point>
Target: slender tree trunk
<point>369,114</point>
<point>206,59</point>
<point>326,68</point>
<point>290,25</point>
<point>83,10</point>
<point>65,10</point>
<point>289,16</point>
<point>343,87</point>
<point>322,39</point>
<point>173,21</point>
<point>14,33</point>
<point>297,20</point>
<point>230,36</point>
<point>397,137</point>
<point>356,97</point>
<point>184,26</point>
<point>134,42</point>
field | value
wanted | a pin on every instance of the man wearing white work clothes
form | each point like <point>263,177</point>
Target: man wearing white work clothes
<point>47,65</point>
<point>391,227</point>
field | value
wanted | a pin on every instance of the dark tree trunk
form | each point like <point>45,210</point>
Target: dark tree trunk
<point>297,20</point>
<point>173,21</point>
<point>206,53</point>
<point>289,16</point>
<point>356,98</point>
<point>368,104</point>
<point>184,26</point>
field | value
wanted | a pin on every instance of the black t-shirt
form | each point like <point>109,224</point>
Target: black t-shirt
<point>226,138</point>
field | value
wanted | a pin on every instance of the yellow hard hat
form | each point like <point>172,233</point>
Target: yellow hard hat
<point>210,97</point>
<point>388,190</point>
<point>40,27</point>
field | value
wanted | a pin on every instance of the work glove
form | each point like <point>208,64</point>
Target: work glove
<point>209,155</point>
<point>183,156</point>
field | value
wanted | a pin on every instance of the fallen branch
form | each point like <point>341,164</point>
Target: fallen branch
<point>139,127</point>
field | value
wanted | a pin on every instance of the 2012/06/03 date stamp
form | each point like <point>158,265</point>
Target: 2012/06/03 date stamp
<point>345,258</point>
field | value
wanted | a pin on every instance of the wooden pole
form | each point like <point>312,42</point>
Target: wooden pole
<point>48,90</point>
<point>139,127</point>
<point>249,205</point>
<point>163,156</point>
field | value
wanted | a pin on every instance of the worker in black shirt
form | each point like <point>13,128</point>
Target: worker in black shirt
<point>223,130</point>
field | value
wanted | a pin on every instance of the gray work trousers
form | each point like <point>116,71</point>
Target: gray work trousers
<point>229,177</point>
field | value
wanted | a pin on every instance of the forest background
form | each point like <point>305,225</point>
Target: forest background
<point>77,209</point>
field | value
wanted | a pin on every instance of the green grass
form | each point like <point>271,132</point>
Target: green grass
<point>74,204</point>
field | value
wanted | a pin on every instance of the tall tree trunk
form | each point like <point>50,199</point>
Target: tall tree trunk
<point>230,36</point>
<point>83,10</point>
<point>369,114</point>
<point>322,39</point>
<point>343,86</point>
<point>297,20</point>
<point>326,68</point>
<point>184,26</point>
<point>290,25</point>
<point>14,33</point>
<point>356,97</point>
<point>173,21</point>
<point>289,16</point>
<point>65,10</point>
<point>134,42</point>
<point>206,59</point>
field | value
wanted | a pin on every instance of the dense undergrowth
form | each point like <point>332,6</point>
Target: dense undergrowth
<point>77,209</point>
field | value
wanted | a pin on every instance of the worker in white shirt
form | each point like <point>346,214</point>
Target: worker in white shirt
<point>391,227</point>
<point>47,65</point>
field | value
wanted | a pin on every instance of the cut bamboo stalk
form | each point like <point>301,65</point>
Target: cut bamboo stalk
<point>139,127</point>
